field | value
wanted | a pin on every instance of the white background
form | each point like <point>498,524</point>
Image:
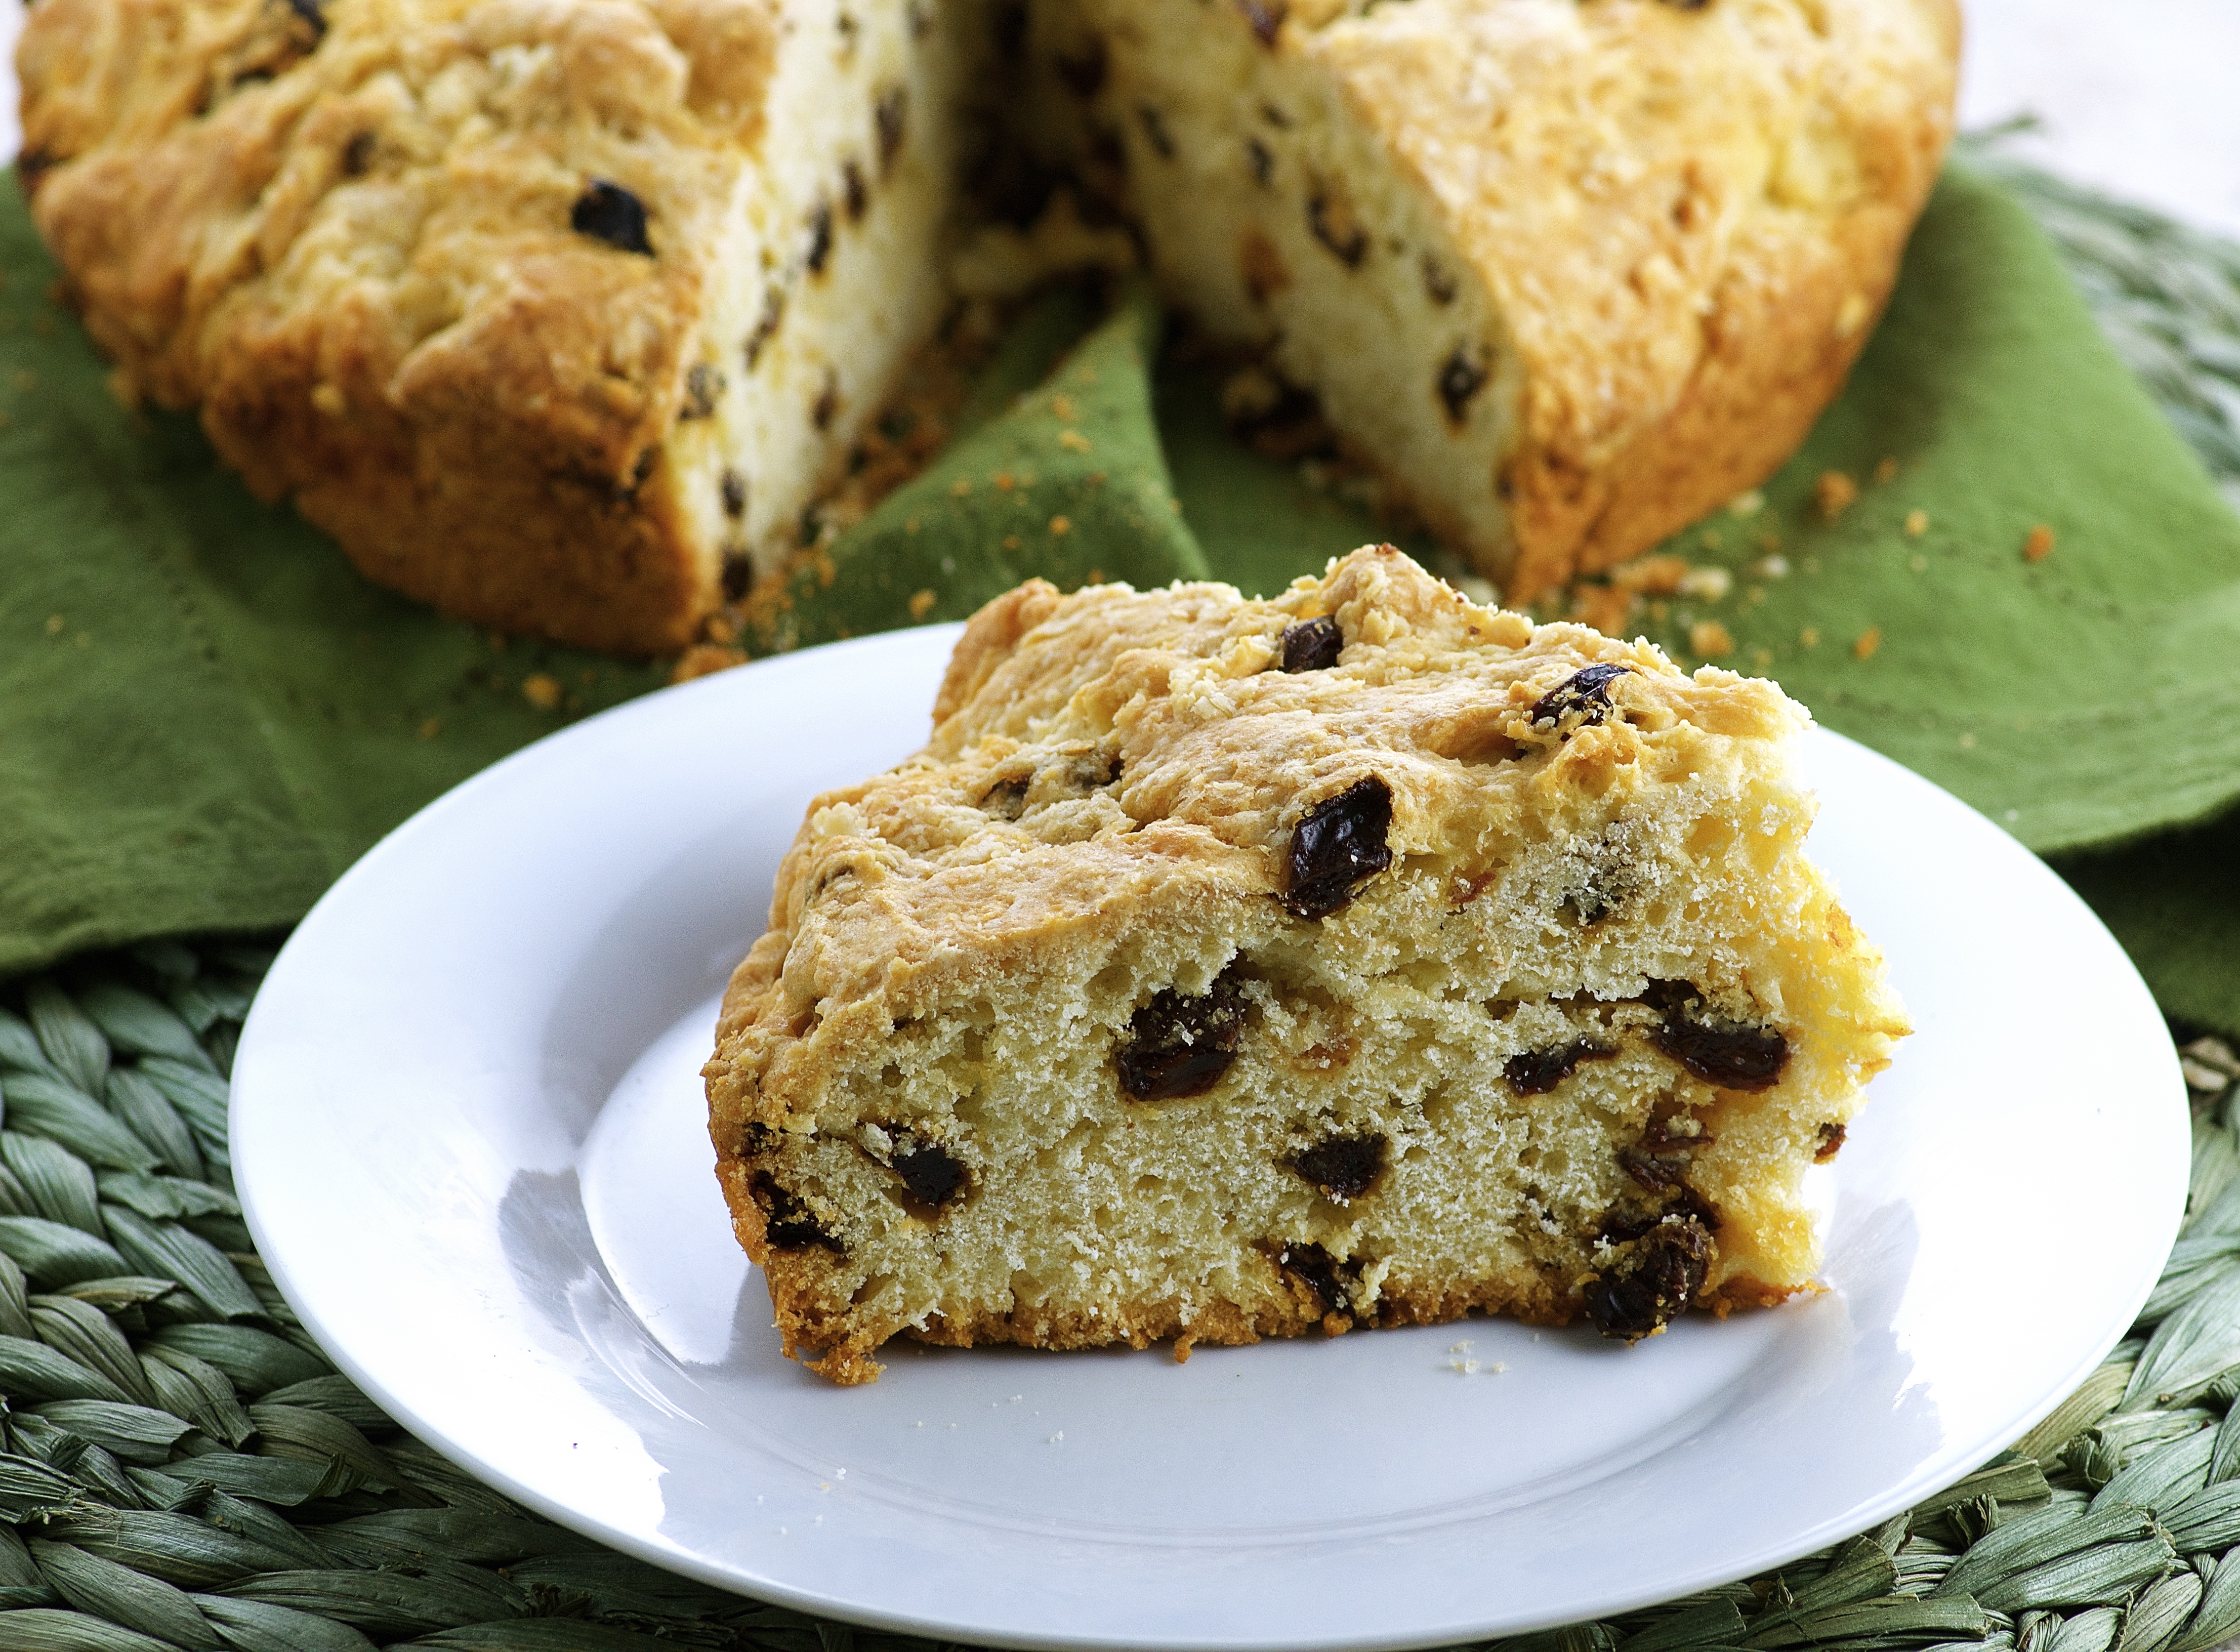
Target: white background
<point>2140,96</point>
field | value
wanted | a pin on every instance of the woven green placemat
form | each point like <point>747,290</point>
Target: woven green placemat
<point>180,1466</point>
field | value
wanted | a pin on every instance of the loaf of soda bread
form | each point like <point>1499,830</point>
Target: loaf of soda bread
<point>554,313</point>
<point>1225,969</point>
<point>557,313</point>
<point>1570,274</point>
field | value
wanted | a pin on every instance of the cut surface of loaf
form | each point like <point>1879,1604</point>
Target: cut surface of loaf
<point>1571,275</point>
<point>556,313</point>
<point>1224,969</point>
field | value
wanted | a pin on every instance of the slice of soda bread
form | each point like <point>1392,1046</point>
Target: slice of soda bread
<point>1226,969</point>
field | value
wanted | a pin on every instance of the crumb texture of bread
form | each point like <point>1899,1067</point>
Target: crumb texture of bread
<point>1227,969</point>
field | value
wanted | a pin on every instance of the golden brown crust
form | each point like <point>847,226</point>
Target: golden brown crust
<point>990,638</point>
<point>1687,278</point>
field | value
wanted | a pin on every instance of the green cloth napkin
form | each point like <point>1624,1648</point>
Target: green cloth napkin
<point>205,715</point>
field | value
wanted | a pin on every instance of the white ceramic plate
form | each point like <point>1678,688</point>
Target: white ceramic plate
<point>467,1123</point>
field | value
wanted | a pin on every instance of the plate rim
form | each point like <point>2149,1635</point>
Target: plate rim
<point>653,1550</point>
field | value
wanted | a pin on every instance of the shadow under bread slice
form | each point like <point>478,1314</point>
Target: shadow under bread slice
<point>1225,969</point>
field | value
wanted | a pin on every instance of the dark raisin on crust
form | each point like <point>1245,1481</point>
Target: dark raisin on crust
<point>1460,380</point>
<point>703,387</point>
<point>1535,1072</point>
<point>608,212</point>
<point>1084,71</point>
<point>1342,1167</point>
<point>1832,1143</point>
<point>1324,1274</point>
<point>358,153</point>
<point>1155,132</point>
<point>1312,645</point>
<point>738,575</point>
<point>735,493</point>
<point>1261,160</point>
<point>1337,848</point>
<point>310,12</point>
<point>820,238</point>
<point>766,324</point>
<point>828,402</point>
<point>1655,1283</point>
<point>1334,226</point>
<point>1583,695</point>
<point>855,194</point>
<point>1266,18</point>
<point>788,1224</point>
<point>1734,1055</point>
<point>889,115</point>
<point>931,1173</point>
<point>1439,281</point>
<point>1006,799</point>
<point>1179,1045</point>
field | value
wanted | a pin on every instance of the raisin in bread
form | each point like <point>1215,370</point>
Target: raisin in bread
<point>1225,969</point>
<point>1570,274</point>
<point>556,313</point>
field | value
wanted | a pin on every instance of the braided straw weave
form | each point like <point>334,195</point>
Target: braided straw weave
<point>180,1467</point>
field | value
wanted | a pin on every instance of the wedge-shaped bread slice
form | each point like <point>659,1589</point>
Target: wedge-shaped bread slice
<point>1229,968</point>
